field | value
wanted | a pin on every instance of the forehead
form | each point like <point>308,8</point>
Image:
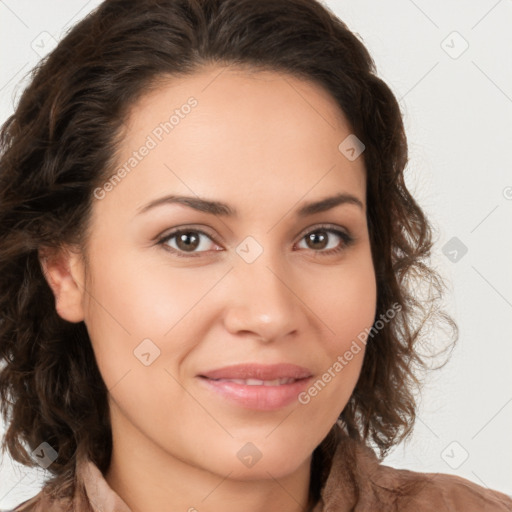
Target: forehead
<point>227,131</point>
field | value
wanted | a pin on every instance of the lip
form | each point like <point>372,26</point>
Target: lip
<point>259,371</point>
<point>258,397</point>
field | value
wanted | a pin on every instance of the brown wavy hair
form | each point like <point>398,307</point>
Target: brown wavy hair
<point>61,143</point>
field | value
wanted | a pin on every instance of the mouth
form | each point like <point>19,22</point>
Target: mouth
<point>257,387</point>
<point>258,372</point>
<point>257,382</point>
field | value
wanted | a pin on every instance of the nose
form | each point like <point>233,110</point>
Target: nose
<point>262,302</point>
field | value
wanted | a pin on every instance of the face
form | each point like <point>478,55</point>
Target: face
<point>185,327</point>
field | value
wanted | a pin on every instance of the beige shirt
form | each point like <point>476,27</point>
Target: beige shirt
<point>356,482</point>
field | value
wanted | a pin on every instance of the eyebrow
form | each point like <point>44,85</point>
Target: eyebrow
<point>223,209</point>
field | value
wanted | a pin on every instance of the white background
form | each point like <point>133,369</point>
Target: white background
<point>458,115</point>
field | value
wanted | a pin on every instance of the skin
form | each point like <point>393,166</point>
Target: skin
<point>265,143</point>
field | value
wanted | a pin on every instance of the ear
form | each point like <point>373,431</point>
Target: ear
<point>64,271</point>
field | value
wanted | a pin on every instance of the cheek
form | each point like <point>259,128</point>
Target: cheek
<point>347,308</point>
<point>346,300</point>
<point>135,309</point>
<point>140,299</point>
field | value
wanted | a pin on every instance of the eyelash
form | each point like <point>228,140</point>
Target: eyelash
<point>346,238</point>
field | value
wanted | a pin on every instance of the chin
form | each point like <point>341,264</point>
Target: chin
<point>250,462</point>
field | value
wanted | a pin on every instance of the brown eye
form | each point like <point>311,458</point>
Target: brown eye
<point>317,239</point>
<point>186,242</point>
<point>193,242</point>
<point>326,240</point>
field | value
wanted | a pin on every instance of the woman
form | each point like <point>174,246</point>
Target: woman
<point>173,338</point>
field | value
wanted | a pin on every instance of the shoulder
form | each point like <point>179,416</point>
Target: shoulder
<point>359,481</point>
<point>438,491</point>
